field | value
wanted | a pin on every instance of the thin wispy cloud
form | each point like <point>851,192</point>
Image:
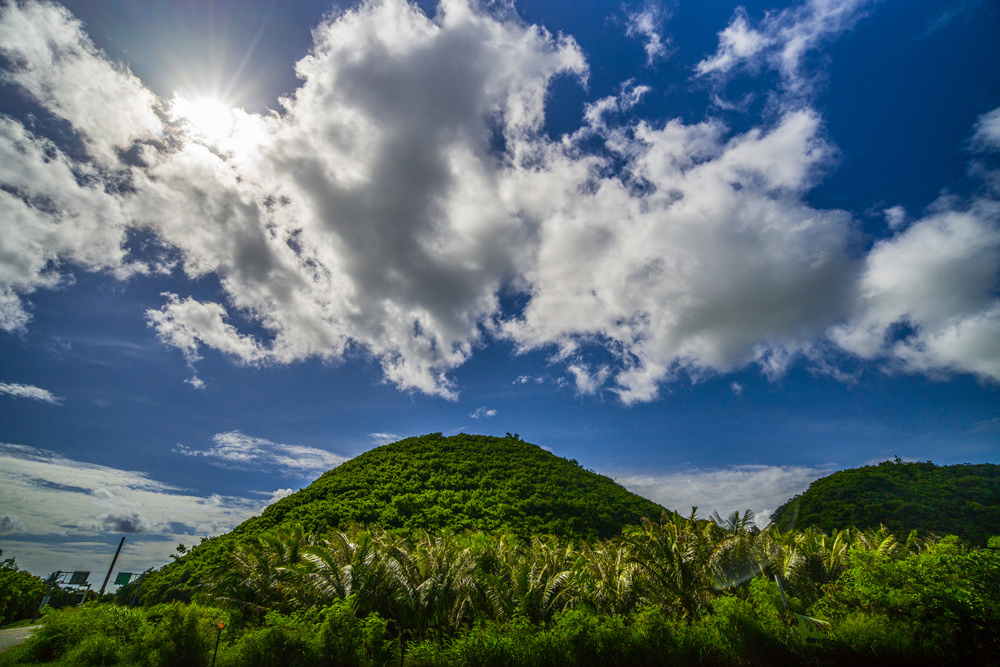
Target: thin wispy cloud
<point>782,41</point>
<point>483,412</point>
<point>703,253</point>
<point>647,25</point>
<point>237,450</point>
<point>30,392</point>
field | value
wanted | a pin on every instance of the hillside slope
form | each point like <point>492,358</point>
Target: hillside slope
<point>463,482</point>
<point>961,500</point>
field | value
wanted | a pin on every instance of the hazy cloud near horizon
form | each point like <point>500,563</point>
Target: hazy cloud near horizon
<point>760,488</point>
<point>71,501</point>
<point>408,182</point>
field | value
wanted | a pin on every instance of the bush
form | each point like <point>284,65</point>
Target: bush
<point>20,592</point>
<point>867,639</point>
<point>181,635</point>
<point>282,642</point>
<point>108,632</point>
<point>348,641</point>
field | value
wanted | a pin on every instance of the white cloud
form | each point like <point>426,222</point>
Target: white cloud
<point>928,295</point>
<point>395,163</point>
<point>760,488</point>
<point>66,507</point>
<point>987,131</point>
<point>236,450</point>
<point>895,217</point>
<point>718,263</point>
<point>374,216</point>
<point>647,25</point>
<point>30,392</point>
<point>278,495</point>
<point>384,438</point>
<point>738,43</point>
<point>54,60</point>
<point>52,210</point>
<point>483,412</point>
<point>783,40</point>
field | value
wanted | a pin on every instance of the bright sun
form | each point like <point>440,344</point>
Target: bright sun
<point>209,119</point>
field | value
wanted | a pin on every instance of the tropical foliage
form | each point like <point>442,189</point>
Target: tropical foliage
<point>676,590</point>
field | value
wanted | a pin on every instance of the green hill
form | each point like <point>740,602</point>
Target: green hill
<point>961,500</point>
<point>463,482</point>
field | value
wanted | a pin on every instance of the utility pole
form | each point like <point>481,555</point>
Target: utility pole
<point>113,561</point>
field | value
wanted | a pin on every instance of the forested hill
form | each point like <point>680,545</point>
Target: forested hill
<point>961,500</point>
<point>463,482</point>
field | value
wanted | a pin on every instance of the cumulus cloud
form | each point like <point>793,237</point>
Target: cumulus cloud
<point>760,488</point>
<point>483,412</point>
<point>30,392</point>
<point>53,211</point>
<point>408,182</point>
<point>714,266</point>
<point>53,60</point>
<point>236,450</point>
<point>927,297</point>
<point>781,41</point>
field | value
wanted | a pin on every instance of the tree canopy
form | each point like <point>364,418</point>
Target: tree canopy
<point>962,500</point>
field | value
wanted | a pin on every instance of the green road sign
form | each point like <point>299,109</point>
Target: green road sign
<point>123,578</point>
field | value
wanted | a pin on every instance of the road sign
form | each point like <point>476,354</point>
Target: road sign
<point>123,578</point>
<point>79,578</point>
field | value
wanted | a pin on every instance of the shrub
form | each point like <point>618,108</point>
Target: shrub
<point>348,641</point>
<point>282,642</point>
<point>180,635</point>
<point>107,630</point>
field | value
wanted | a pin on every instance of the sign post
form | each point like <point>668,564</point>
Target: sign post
<point>113,561</point>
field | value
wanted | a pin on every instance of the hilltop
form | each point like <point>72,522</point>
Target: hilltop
<point>961,500</point>
<point>463,482</point>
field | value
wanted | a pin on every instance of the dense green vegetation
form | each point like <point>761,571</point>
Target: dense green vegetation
<point>673,591</point>
<point>463,482</point>
<point>20,592</point>
<point>961,500</point>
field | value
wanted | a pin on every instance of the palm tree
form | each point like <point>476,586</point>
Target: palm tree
<point>741,551</point>
<point>342,565</point>
<point>256,579</point>
<point>673,555</point>
<point>529,580</point>
<point>606,578</point>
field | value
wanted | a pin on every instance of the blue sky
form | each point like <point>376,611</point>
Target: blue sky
<point>713,250</point>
